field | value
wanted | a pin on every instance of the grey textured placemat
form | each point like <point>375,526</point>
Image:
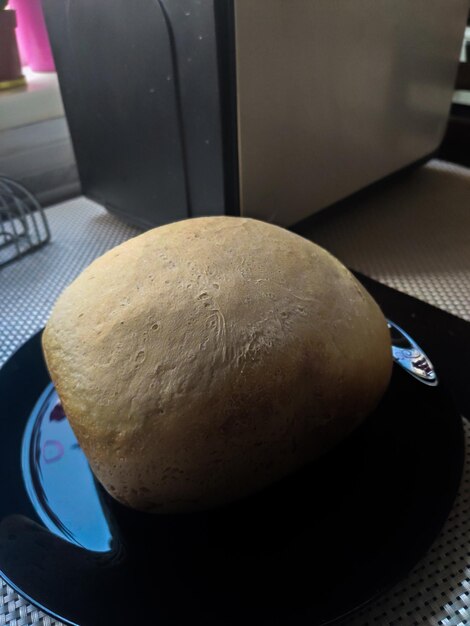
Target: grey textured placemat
<point>413,234</point>
<point>80,231</point>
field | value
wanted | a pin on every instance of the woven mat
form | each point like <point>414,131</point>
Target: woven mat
<point>412,234</point>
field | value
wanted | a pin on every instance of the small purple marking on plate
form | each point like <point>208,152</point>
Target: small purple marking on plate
<point>54,448</point>
<point>57,413</point>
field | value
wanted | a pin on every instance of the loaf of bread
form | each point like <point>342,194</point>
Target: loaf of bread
<point>205,359</point>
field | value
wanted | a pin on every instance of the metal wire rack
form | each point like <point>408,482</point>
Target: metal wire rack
<point>23,225</point>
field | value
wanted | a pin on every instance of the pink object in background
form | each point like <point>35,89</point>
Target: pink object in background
<point>33,40</point>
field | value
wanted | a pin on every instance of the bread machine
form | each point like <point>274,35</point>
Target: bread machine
<point>272,109</point>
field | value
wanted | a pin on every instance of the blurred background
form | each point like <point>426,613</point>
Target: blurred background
<point>35,143</point>
<point>35,146</point>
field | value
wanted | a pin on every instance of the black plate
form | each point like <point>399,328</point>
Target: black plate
<point>307,550</point>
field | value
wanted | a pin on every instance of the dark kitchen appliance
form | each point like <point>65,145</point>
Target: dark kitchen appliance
<point>272,109</point>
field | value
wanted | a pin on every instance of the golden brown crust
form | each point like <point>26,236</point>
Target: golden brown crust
<point>204,359</point>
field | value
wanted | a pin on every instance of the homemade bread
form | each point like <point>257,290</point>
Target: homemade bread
<point>207,358</point>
